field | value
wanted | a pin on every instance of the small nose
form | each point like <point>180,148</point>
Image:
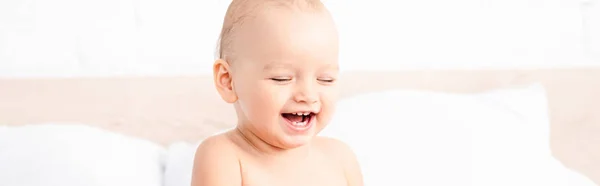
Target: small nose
<point>306,92</point>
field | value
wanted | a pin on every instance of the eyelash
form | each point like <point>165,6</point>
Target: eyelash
<point>327,80</point>
<point>289,79</point>
<point>281,79</point>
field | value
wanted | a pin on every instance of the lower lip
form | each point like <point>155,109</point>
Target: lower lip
<point>304,128</point>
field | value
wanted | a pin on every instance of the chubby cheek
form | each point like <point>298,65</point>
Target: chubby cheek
<point>262,104</point>
<point>328,107</point>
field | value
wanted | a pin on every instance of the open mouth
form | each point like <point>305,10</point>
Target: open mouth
<point>299,119</point>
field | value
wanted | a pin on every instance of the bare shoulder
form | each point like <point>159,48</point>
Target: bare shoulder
<point>337,149</point>
<point>333,146</point>
<point>216,163</point>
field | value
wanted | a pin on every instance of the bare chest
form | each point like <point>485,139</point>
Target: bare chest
<point>312,175</point>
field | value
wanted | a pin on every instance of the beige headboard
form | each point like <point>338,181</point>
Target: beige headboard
<point>167,109</point>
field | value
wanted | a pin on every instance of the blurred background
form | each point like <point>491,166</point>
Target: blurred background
<point>66,38</point>
<point>479,92</point>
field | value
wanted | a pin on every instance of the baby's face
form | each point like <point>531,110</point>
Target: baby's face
<point>285,76</point>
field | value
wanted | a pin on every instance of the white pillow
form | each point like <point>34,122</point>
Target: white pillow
<point>76,155</point>
<point>407,137</point>
<point>179,164</point>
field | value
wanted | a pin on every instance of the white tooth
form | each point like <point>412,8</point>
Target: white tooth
<point>297,114</point>
<point>299,123</point>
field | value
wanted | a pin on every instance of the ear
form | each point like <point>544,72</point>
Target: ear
<point>224,81</point>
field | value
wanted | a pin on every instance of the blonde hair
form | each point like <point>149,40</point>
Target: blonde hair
<point>241,10</point>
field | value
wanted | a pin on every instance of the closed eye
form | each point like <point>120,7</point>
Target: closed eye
<point>326,80</point>
<point>281,79</point>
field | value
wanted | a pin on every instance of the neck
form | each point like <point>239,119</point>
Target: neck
<point>268,150</point>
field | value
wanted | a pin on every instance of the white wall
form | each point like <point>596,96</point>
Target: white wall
<point>108,37</point>
<point>467,34</point>
<point>65,38</point>
<point>591,27</point>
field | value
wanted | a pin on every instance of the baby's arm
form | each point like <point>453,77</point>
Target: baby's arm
<point>351,166</point>
<point>341,151</point>
<point>216,164</point>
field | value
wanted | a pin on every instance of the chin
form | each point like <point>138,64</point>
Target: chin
<point>290,142</point>
<point>293,137</point>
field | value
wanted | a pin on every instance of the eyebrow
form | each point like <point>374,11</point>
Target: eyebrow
<point>274,65</point>
<point>332,67</point>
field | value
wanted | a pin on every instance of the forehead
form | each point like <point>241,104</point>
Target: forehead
<point>291,36</point>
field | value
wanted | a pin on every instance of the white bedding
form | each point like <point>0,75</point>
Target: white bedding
<point>76,155</point>
<point>401,137</point>
<point>427,138</point>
